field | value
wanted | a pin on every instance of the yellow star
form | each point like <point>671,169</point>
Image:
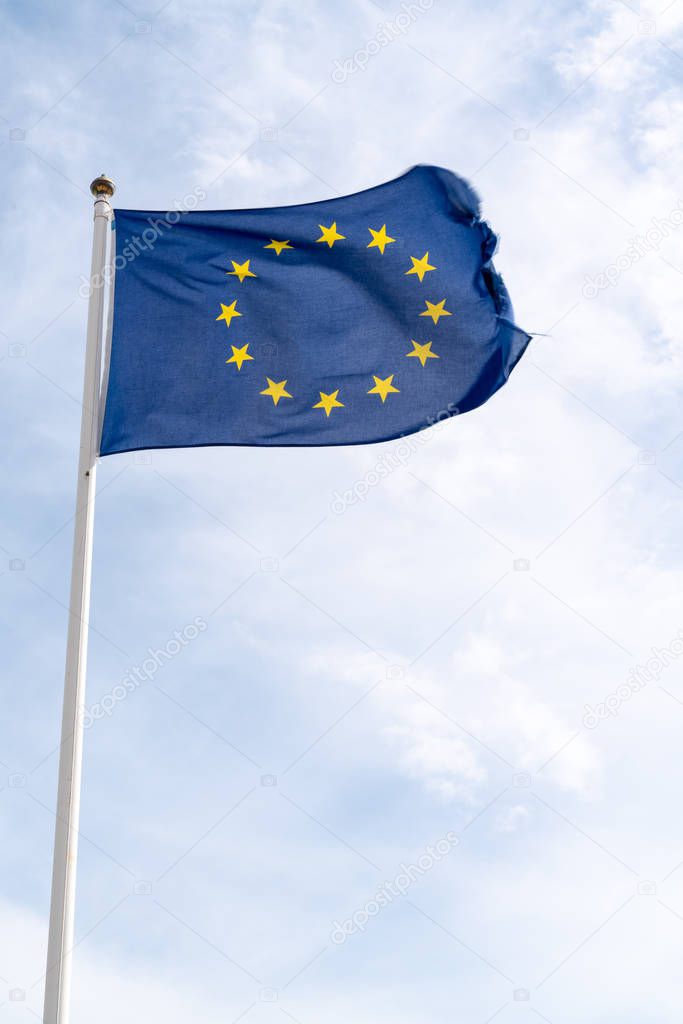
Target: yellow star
<point>278,246</point>
<point>435,310</point>
<point>422,352</point>
<point>228,312</point>
<point>383,387</point>
<point>239,355</point>
<point>240,270</point>
<point>420,267</point>
<point>329,235</point>
<point>380,238</point>
<point>276,390</point>
<point>329,402</point>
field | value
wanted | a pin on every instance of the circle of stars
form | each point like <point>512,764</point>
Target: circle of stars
<point>382,387</point>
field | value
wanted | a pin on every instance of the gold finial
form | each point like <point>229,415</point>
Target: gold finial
<point>102,187</point>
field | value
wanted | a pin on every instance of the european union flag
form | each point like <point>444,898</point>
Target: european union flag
<point>346,321</point>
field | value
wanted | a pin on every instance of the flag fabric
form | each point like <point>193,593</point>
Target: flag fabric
<point>346,321</point>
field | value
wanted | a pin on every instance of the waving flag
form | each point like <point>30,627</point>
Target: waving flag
<point>347,321</point>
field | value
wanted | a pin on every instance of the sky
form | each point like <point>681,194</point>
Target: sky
<point>418,755</point>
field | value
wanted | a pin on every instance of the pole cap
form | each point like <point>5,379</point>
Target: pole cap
<point>102,187</point>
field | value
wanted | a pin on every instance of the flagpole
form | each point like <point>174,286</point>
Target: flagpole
<point>62,904</point>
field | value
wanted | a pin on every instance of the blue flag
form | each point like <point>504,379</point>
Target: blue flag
<point>346,321</point>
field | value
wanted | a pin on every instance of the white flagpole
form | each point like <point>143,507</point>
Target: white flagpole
<point>61,932</point>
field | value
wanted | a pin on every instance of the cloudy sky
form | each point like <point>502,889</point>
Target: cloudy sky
<point>408,670</point>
